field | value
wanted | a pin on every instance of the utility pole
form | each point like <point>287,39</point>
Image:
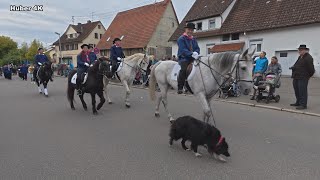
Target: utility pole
<point>92,16</point>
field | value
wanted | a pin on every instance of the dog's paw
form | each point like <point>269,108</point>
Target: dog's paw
<point>198,154</point>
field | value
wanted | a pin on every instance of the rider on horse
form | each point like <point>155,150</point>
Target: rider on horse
<point>116,54</point>
<point>92,55</point>
<point>83,64</point>
<point>187,52</point>
<point>40,59</point>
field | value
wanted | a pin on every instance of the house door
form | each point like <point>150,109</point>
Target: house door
<point>287,60</point>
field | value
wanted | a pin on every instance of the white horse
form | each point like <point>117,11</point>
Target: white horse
<point>207,76</point>
<point>127,72</point>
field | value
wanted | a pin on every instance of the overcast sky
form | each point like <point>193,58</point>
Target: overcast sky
<point>57,15</point>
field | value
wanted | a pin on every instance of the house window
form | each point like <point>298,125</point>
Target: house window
<point>226,37</point>
<point>235,36</point>
<point>199,26</point>
<point>256,43</point>
<point>67,47</point>
<point>283,54</point>
<point>100,36</point>
<point>173,24</point>
<point>96,35</point>
<point>209,47</point>
<point>99,26</point>
<point>212,24</point>
<point>71,35</point>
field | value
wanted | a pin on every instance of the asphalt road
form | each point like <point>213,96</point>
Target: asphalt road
<point>41,138</point>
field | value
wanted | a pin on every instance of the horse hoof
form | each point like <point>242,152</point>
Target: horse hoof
<point>157,115</point>
<point>95,113</point>
<point>85,108</point>
<point>128,106</point>
<point>110,102</point>
<point>72,108</point>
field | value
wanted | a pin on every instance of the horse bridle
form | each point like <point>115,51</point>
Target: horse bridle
<point>138,67</point>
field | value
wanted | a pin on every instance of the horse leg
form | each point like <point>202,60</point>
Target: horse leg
<point>159,99</point>
<point>83,102</point>
<point>106,89</point>
<point>205,106</point>
<point>102,100</point>
<point>164,95</point>
<point>127,101</point>
<point>38,84</point>
<point>93,98</point>
<point>45,84</point>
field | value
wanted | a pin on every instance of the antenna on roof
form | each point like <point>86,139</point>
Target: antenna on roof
<point>73,20</point>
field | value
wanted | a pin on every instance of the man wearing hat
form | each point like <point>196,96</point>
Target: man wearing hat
<point>116,54</point>
<point>302,71</point>
<point>92,55</point>
<point>187,52</point>
<point>40,59</point>
<point>83,63</point>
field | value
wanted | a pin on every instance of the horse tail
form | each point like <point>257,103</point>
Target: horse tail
<point>70,90</point>
<point>152,82</point>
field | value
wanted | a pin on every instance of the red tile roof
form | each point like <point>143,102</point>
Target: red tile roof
<point>227,47</point>
<point>136,25</point>
<point>84,31</point>
<point>256,15</point>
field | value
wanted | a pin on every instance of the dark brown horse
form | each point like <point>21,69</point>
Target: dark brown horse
<point>93,86</point>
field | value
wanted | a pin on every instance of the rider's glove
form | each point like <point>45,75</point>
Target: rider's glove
<point>86,64</point>
<point>39,63</point>
<point>119,59</point>
<point>195,55</point>
<point>91,65</point>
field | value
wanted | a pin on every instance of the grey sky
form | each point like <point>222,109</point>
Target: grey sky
<point>57,14</point>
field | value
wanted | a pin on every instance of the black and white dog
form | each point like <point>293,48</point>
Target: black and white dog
<point>199,133</point>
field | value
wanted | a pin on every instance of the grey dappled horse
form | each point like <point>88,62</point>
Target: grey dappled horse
<point>212,72</point>
<point>130,66</point>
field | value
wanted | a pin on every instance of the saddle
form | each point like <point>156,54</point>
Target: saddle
<point>83,78</point>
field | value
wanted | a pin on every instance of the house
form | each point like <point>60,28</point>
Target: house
<point>275,26</point>
<point>146,28</point>
<point>75,36</point>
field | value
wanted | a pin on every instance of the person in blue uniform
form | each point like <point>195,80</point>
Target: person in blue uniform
<point>24,71</point>
<point>92,55</point>
<point>40,59</point>
<point>116,54</point>
<point>188,51</point>
<point>83,64</point>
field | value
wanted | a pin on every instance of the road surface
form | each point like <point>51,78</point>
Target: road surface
<point>41,138</point>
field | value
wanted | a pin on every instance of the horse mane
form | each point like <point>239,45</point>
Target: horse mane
<point>135,57</point>
<point>224,60</point>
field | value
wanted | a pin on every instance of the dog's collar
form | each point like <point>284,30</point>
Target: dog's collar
<point>220,141</point>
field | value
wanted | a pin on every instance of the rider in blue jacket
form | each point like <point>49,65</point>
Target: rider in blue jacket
<point>92,55</point>
<point>83,64</point>
<point>40,59</point>
<point>116,54</point>
<point>187,52</point>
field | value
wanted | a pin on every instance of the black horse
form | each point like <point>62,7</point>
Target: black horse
<point>93,85</point>
<point>43,76</point>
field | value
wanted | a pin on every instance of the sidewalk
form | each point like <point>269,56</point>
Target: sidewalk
<point>286,93</point>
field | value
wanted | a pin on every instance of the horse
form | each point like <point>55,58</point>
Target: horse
<point>209,75</point>
<point>43,76</point>
<point>93,85</point>
<point>129,68</point>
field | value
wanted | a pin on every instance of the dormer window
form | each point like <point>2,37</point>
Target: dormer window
<point>212,24</point>
<point>199,26</point>
<point>71,36</point>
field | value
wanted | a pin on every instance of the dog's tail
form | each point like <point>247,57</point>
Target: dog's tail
<point>152,82</point>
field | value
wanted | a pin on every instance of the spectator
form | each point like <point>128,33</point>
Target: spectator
<point>274,66</point>
<point>30,71</point>
<point>24,72</point>
<point>259,69</point>
<point>302,71</point>
<point>174,58</point>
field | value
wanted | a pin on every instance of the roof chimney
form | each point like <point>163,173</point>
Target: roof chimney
<point>79,24</point>
<point>88,21</point>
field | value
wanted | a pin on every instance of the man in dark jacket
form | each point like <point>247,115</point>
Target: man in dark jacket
<point>83,64</point>
<point>92,55</point>
<point>187,52</point>
<point>302,71</point>
<point>116,54</point>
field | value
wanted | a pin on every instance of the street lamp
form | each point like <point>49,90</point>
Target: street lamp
<point>60,56</point>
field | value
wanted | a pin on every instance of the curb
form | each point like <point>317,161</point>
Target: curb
<point>245,104</point>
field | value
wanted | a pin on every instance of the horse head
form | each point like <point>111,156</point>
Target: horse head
<point>245,70</point>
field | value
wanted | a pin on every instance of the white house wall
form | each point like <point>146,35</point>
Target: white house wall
<point>287,39</point>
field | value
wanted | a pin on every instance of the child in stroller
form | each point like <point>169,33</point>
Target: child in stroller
<point>266,89</point>
<point>230,89</point>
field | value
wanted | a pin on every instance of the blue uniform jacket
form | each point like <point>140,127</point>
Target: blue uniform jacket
<point>24,70</point>
<point>92,57</point>
<point>81,59</point>
<point>186,48</point>
<point>261,65</point>
<point>116,52</point>
<point>42,58</point>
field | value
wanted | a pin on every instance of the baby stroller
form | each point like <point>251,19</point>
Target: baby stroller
<point>266,89</point>
<point>230,89</point>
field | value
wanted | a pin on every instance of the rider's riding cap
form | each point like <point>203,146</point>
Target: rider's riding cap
<point>40,49</point>
<point>190,26</point>
<point>83,45</point>
<point>116,39</point>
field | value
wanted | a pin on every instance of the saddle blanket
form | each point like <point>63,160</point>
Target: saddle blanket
<point>75,76</point>
<point>176,70</point>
